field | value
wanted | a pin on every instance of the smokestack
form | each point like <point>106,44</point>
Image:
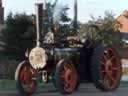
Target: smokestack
<point>75,16</point>
<point>39,21</point>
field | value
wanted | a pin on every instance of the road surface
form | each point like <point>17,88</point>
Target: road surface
<point>84,90</point>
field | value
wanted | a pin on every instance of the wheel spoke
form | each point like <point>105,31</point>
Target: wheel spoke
<point>106,80</point>
<point>65,68</point>
<point>69,85</point>
<point>109,73</point>
<point>69,82</point>
<point>111,78</point>
<point>107,77</point>
<point>113,57</point>
<point>105,58</point>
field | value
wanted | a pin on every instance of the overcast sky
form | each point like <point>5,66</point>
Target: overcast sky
<point>85,9</point>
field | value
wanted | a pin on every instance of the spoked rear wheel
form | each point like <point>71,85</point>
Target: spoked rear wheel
<point>106,69</point>
<point>65,77</point>
<point>25,79</point>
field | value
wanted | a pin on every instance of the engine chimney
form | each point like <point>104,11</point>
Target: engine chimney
<point>75,16</point>
<point>39,21</point>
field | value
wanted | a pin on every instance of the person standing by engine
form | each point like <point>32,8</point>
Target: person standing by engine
<point>49,36</point>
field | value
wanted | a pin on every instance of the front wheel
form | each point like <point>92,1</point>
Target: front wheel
<point>65,77</point>
<point>25,79</point>
<point>106,68</point>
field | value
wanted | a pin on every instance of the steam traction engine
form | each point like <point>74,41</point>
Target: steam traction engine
<point>68,66</point>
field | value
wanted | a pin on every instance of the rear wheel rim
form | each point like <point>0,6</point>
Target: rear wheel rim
<point>69,77</point>
<point>110,68</point>
<point>27,79</point>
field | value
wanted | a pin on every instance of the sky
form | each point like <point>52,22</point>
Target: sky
<point>86,8</point>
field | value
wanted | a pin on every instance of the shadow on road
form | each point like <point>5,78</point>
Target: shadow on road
<point>84,90</point>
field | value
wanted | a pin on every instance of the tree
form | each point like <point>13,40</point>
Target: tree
<point>103,29</point>
<point>48,18</point>
<point>17,36</point>
<point>59,21</point>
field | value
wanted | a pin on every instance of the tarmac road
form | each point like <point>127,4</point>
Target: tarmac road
<point>84,90</point>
